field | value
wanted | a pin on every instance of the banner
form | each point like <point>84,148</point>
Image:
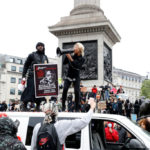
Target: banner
<point>123,96</point>
<point>45,80</point>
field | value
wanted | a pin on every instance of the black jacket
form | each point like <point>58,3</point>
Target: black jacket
<point>122,134</point>
<point>33,58</point>
<point>74,66</point>
<point>8,137</point>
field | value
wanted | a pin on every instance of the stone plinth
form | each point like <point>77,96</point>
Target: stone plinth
<point>87,22</point>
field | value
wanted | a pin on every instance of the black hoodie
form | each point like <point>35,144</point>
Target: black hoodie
<point>8,137</point>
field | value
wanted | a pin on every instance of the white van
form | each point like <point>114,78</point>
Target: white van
<point>87,139</point>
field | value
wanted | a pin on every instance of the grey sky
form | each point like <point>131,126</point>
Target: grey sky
<point>25,22</point>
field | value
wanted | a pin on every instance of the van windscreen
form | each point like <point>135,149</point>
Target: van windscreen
<point>32,122</point>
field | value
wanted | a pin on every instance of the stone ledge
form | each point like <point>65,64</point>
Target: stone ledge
<point>89,30</point>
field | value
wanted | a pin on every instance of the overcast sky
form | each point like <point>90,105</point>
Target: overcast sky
<point>25,22</point>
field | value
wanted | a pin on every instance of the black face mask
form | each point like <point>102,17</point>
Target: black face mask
<point>40,52</point>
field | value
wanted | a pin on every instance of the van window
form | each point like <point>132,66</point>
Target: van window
<point>96,135</point>
<point>118,137</point>
<point>32,122</point>
<point>73,141</point>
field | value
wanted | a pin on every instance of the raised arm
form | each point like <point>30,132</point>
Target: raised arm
<point>65,128</point>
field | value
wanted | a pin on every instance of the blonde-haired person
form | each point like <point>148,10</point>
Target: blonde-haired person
<point>80,47</point>
<point>75,63</point>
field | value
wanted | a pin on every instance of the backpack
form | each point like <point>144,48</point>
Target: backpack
<point>47,138</point>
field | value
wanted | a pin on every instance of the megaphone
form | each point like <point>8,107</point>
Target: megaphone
<point>60,52</point>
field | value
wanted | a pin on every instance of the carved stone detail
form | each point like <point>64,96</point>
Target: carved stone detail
<point>107,63</point>
<point>90,67</point>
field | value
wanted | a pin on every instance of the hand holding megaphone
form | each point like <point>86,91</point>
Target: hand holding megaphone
<point>60,52</point>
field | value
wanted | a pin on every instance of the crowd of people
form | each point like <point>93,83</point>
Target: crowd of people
<point>104,95</point>
<point>113,132</point>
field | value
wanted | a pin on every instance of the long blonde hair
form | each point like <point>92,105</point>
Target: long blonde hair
<point>81,48</point>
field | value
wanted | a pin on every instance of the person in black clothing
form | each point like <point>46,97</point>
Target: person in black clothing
<point>102,93</point>
<point>75,63</point>
<point>70,103</point>
<point>144,115</point>
<point>3,106</point>
<point>136,107</point>
<point>122,134</point>
<point>28,94</point>
<point>119,106</point>
<point>108,106</point>
<point>128,107</point>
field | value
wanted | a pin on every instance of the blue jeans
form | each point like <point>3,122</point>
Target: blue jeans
<point>106,95</point>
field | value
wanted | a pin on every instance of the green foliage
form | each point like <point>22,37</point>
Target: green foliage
<point>145,90</point>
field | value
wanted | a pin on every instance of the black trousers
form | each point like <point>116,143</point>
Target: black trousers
<point>67,84</point>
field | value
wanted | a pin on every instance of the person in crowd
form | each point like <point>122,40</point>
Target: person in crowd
<point>108,106</point>
<point>145,123</point>
<point>8,134</point>
<point>81,85</point>
<point>75,63</point>
<point>131,143</point>
<point>70,102</point>
<point>4,106</point>
<point>107,91</point>
<point>120,90</point>
<point>1,106</point>
<point>98,103</point>
<point>94,91</point>
<point>128,107</point>
<point>122,133</point>
<point>12,106</point>
<point>59,105</point>
<point>115,106</point>
<point>144,115</point>
<point>111,106</point>
<point>123,107</point>
<point>83,95</point>
<point>83,101</point>
<point>136,107</point>
<point>113,90</point>
<point>98,96</point>
<point>102,91</point>
<point>119,106</point>
<point>110,133</point>
<point>140,102</point>
<point>59,129</point>
<point>99,107</point>
<point>28,94</point>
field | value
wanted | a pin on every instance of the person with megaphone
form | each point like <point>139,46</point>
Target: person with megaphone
<point>75,63</point>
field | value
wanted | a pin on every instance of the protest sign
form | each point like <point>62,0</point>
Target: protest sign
<point>46,80</point>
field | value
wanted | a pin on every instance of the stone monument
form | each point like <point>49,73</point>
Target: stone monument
<point>88,24</point>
